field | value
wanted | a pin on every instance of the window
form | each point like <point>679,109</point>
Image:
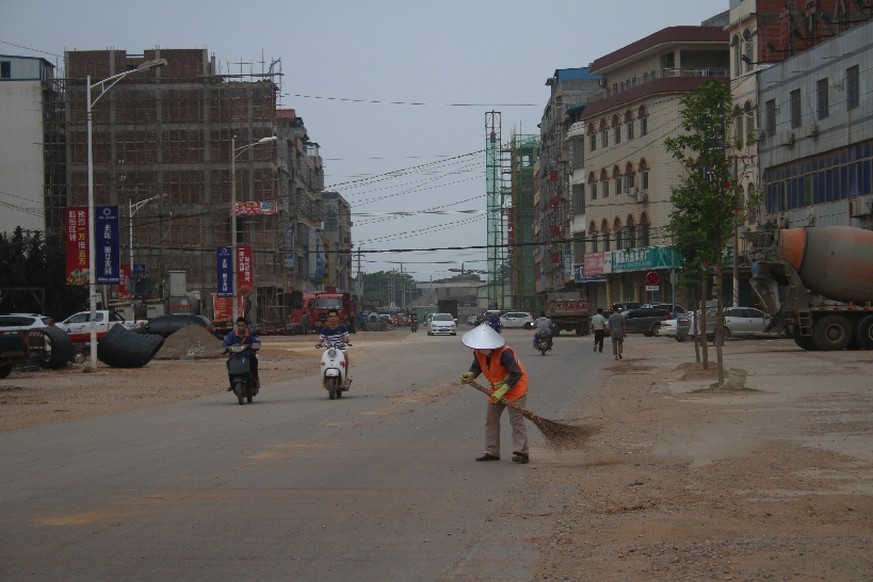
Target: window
<point>770,111</point>
<point>594,191</point>
<point>604,138</point>
<point>592,142</point>
<point>644,126</point>
<point>578,155</point>
<point>617,134</point>
<point>618,184</point>
<point>737,50</point>
<point>821,93</point>
<point>606,188</point>
<point>619,234</point>
<point>794,98</point>
<point>5,69</point>
<point>852,88</point>
<point>644,182</point>
<point>630,129</point>
<point>579,199</point>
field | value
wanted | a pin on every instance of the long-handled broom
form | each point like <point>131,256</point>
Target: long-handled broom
<point>558,434</point>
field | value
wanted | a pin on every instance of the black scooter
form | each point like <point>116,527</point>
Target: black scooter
<point>239,371</point>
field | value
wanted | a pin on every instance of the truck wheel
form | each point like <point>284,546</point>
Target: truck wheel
<point>58,349</point>
<point>832,332</point>
<point>804,342</point>
<point>864,332</point>
<point>5,370</point>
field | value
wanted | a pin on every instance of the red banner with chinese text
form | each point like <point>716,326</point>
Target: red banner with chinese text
<point>244,276</point>
<point>76,235</point>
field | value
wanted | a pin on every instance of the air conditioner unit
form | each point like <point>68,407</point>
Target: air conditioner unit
<point>812,130</point>
<point>642,197</point>
<point>788,138</point>
<point>631,191</point>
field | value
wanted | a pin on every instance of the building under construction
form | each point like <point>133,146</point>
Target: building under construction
<point>167,143</point>
<point>509,170</point>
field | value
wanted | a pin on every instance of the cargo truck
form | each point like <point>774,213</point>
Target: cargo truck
<point>818,282</point>
<point>569,310</point>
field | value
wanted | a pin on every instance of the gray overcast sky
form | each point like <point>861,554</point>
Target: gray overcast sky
<point>378,85</point>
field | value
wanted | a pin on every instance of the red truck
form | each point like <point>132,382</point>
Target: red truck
<point>316,304</point>
<point>569,311</point>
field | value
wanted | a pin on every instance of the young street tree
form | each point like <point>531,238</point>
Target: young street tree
<point>706,201</point>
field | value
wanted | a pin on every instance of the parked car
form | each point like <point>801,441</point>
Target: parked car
<point>442,324</point>
<point>516,319</point>
<point>166,325</point>
<point>671,307</point>
<point>23,321</point>
<point>644,320</point>
<point>623,306</point>
<point>738,322</point>
<point>678,327</point>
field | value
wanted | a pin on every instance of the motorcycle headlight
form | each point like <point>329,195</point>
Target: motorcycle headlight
<point>331,353</point>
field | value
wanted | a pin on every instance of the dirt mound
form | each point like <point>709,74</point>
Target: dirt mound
<point>190,342</point>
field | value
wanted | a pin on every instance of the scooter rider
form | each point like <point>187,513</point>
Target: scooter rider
<point>543,325</point>
<point>243,335</point>
<point>336,333</point>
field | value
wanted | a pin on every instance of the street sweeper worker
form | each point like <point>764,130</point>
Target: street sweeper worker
<point>508,378</point>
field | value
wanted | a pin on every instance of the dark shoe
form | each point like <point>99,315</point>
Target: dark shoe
<point>487,457</point>
<point>230,388</point>
<point>620,357</point>
<point>520,458</point>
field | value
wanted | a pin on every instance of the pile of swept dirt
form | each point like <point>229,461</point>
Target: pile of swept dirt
<point>190,342</point>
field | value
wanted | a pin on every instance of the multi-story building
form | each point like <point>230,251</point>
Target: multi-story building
<point>552,213</point>
<point>815,143</point>
<point>31,151</point>
<point>179,135</point>
<point>626,191</point>
<point>523,156</point>
<point>762,34</point>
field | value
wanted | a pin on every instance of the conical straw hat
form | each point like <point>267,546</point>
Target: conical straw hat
<point>483,337</point>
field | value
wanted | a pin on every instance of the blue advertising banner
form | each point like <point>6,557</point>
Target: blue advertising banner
<point>107,255</point>
<point>224,268</point>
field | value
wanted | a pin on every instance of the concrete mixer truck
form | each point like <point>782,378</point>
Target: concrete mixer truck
<point>818,281</point>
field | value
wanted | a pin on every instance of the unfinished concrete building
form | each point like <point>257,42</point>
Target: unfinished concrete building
<point>174,136</point>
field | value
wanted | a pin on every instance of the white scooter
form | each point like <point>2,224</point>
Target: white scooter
<point>333,369</point>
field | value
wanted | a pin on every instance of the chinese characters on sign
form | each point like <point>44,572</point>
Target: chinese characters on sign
<point>244,277</point>
<point>224,269</point>
<point>108,256</point>
<point>76,235</point>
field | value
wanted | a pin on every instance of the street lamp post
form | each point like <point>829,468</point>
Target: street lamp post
<point>235,153</point>
<point>104,86</point>
<point>133,207</point>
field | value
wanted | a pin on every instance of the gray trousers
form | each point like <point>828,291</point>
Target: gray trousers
<point>492,427</point>
<point>617,345</point>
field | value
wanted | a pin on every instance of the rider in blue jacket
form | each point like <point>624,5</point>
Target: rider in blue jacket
<point>243,335</point>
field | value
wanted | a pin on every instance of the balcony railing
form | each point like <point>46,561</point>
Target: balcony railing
<point>653,74</point>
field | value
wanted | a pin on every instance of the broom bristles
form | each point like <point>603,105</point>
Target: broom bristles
<point>558,435</point>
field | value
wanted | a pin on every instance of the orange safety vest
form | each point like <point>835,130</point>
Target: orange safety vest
<point>495,372</point>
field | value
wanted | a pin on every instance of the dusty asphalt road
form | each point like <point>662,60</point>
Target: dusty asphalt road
<point>772,482</point>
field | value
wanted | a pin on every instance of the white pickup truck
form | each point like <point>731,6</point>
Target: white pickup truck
<point>78,325</point>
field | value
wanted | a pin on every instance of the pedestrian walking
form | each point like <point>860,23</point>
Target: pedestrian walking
<point>615,327</point>
<point>598,324</point>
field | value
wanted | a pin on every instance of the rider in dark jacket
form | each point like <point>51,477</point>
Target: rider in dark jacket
<point>243,335</point>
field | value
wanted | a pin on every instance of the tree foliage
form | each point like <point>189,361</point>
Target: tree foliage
<point>706,201</point>
<point>30,261</point>
<point>380,287</point>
